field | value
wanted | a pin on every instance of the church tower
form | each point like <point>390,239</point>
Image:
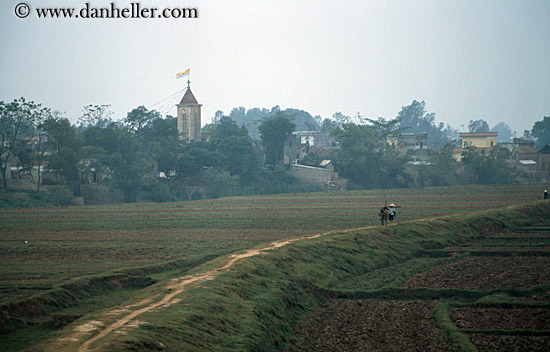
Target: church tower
<point>189,118</point>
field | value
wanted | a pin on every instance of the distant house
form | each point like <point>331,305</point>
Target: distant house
<point>299,144</point>
<point>412,144</point>
<point>543,159</point>
<point>527,166</point>
<point>524,156</point>
<point>323,176</point>
<point>479,140</point>
<point>511,146</point>
<point>521,154</point>
<point>524,152</point>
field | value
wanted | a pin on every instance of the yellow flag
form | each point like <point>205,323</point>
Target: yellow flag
<point>182,74</point>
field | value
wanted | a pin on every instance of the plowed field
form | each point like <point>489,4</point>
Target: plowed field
<point>512,315</point>
<point>346,325</point>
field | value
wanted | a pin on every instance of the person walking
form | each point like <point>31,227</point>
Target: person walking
<point>392,212</point>
<point>384,216</point>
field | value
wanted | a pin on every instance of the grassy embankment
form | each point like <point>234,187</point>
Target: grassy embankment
<point>79,260</point>
<point>255,304</point>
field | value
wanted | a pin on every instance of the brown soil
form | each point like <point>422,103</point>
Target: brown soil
<point>408,326</point>
<point>486,273</point>
<point>502,318</point>
<point>347,325</point>
<point>503,343</point>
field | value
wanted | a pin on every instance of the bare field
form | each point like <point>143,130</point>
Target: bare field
<point>486,273</point>
<point>514,314</point>
<point>44,247</point>
<point>346,325</point>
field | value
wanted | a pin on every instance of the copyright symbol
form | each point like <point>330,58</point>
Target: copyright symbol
<point>22,10</point>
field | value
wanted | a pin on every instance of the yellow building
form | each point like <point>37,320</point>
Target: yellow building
<point>479,140</point>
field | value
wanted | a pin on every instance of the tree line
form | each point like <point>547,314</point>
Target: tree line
<point>130,154</point>
<point>240,158</point>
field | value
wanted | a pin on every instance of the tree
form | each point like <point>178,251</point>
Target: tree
<point>95,116</point>
<point>139,118</point>
<point>365,157</point>
<point>340,118</point>
<point>41,116</point>
<point>254,117</point>
<point>239,157</point>
<point>220,183</point>
<point>541,131</point>
<point>504,132</point>
<point>328,126</point>
<point>66,150</point>
<point>187,165</point>
<point>441,170</point>
<point>273,133</point>
<point>120,153</point>
<point>382,128</point>
<point>481,167</point>
<point>227,127</point>
<point>196,156</point>
<point>478,126</point>
<point>414,119</point>
<point>237,153</point>
<point>15,121</point>
<point>527,135</point>
<point>238,115</point>
<point>302,119</point>
<point>159,139</point>
<point>217,116</point>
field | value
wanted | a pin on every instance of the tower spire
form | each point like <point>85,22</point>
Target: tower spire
<point>189,117</point>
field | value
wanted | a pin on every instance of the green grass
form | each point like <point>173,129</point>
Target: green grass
<point>393,275</point>
<point>74,242</point>
<point>255,305</point>
<point>441,315</point>
<point>70,245</point>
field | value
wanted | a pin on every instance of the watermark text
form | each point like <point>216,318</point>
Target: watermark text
<point>87,11</point>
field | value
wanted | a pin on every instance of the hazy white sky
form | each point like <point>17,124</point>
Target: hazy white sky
<point>468,59</point>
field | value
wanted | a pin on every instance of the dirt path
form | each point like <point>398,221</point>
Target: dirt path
<point>176,287</point>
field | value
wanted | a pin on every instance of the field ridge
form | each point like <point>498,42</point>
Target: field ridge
<point>348,244</point>
<point>150,244</point>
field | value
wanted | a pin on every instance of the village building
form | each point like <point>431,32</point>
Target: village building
<point>307,153</point>
<point>523,156</point>
<point>414,145</point>
<point>543,160</point>
<point>524,152</point>
<point>478,140</point>
<point>301,143</point>
<point>322,176</point>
